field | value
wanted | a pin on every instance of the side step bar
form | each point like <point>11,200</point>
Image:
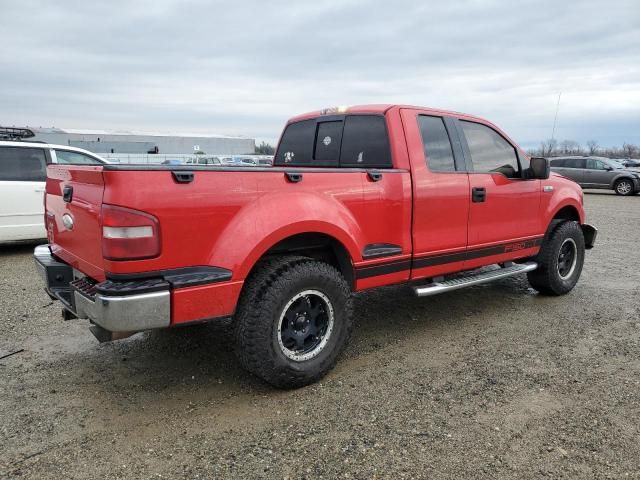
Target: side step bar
<point>474,279</point>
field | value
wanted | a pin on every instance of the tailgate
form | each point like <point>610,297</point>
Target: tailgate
<point>72,214</point>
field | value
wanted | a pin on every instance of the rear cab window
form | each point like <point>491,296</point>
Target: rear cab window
<point>20,164</point>
<point>351,141</point>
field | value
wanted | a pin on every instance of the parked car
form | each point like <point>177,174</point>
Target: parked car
<point>203,160</point>
<point>630,163</point>
<point>598,172</point>
<point>23,170</point>
<point>357,199</point>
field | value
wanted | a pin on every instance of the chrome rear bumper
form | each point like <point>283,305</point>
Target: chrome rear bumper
<point>115,309</point>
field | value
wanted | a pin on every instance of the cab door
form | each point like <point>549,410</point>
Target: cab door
<point>22,183</point>
<point>504,220</point>
<point>441,193</point>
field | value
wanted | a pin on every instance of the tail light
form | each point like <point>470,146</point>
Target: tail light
<point>129,234</point>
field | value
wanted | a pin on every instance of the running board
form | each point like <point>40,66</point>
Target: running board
<point>466,281</point>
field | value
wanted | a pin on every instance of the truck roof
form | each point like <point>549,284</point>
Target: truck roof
<point>375,108</point>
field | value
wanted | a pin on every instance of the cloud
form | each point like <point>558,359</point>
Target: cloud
<point>244,67</point>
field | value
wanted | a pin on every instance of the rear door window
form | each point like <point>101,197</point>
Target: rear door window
<point>437,145</point>
<point>490,152</point>
<point>365,142</point>
<point>575,163</point>
<point>23,164</point>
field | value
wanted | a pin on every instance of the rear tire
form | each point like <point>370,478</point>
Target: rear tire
<point>624,187</point>
<point>560,260</point>
<point>293,321</point>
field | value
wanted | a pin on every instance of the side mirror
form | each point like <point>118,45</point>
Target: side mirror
<point>539,168</point>
<point>608,168</point>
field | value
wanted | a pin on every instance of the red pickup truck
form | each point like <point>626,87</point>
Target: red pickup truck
<point>357,198</point>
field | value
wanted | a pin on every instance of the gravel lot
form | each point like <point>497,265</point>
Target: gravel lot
<point>489,382</point>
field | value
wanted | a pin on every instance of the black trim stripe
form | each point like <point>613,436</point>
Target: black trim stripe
<point>383,269</point>
<point>442,259</point>
<point>475,253</point>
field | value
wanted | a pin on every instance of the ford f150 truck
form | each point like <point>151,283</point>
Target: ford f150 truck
<point>357,198</point>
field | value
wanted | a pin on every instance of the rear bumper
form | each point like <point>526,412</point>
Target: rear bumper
<point>116,307</point>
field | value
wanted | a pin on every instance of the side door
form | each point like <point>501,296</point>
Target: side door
<point>504,207</point>
<point>597,175</point>
<point>441,193</point>
<point>22,182</point>
<point>574,169</point>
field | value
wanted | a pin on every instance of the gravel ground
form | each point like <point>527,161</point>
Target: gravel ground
<point>489,382</point>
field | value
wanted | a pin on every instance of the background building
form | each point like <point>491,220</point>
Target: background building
<point>124,142</point>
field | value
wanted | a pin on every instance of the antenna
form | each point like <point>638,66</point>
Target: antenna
<point>555,119</point>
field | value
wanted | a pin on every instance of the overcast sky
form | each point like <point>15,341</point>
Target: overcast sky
<point>244,67</point>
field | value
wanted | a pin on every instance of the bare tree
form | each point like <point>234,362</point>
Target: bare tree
<point>547,147</point>
<point>593,147</point>
<point>628,149</point>
<point>570,147</point>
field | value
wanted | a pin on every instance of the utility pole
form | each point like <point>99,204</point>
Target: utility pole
<point>555,119</point>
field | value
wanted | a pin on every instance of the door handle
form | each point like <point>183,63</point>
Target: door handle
<point>39,190</point>
<point>478,194</point>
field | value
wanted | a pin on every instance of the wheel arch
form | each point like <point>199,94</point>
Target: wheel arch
<point>622,176</point>
<point>317,244</point>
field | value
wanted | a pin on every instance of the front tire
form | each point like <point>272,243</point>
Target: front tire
<point>293,321</point>
<point>624,187</point>
<point>560,260</point>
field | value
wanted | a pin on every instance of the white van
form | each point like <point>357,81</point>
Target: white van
<point>23,170</point>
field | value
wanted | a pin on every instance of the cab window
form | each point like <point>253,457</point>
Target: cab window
<point>437,145</point>
<point>490,152</point>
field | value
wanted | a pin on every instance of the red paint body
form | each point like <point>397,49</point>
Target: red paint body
<point>230,219</point>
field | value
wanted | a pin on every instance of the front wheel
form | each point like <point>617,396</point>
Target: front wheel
<point>624,187</point>
<point>560,260</point>
<point>293,321</point>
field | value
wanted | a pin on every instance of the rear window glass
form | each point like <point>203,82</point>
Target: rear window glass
<point>365,142</point>
<point>23,164</point>
<point>357,141</point>
<point>328,138</point>
<point>557,163</point>
<point>437,146</point>
<point>296,146</point>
